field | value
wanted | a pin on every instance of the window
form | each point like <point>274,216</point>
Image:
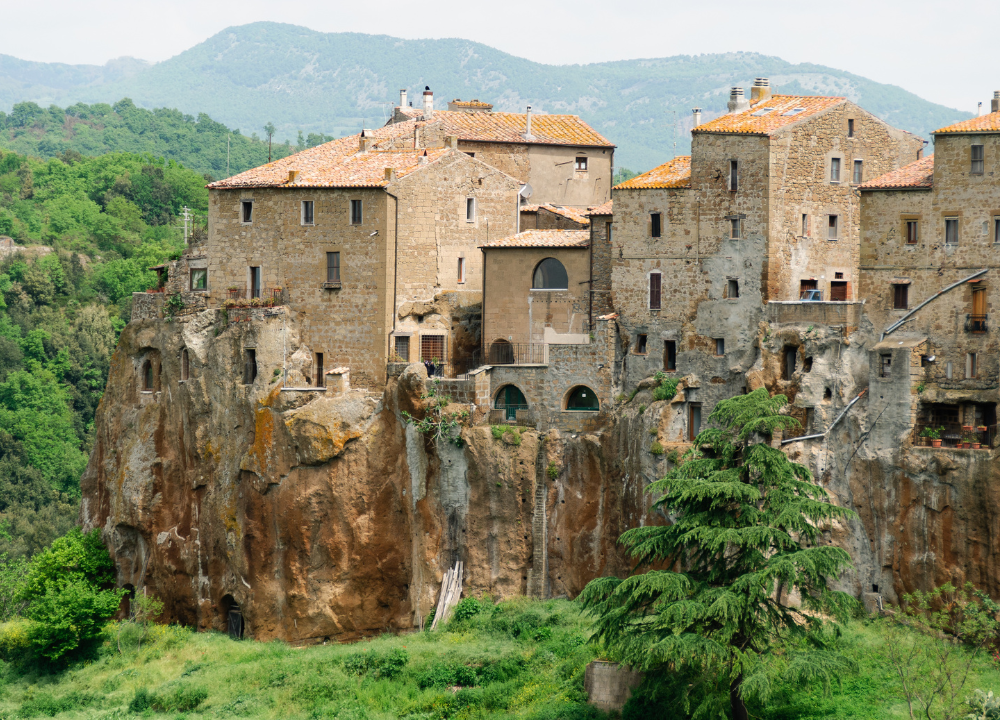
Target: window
<point>805,288</point>
<point>977,160</point>
<point>948,370</point>
<point>720,346</point>
<point>669,355</point>
<point>838,276</point>
<point>582,398</point>
<point>307,212</point>
<point>249,366</point>
<point>246,211</point>
<point>470,154</point>
<point>199,279</point>
<point>461,270</point>
<point>900,297</point>
<point>470,209</point>
<point>857,172</point>
<point>805,225</point>
<point>402,348</point>
<point>356,215</point>
<point>996,229</point>
<point>971,366</point>
<point>640,345</point>
<point>850,128</point>
<point>511,399</point>
<point>734,228</point>
<point>734,288</point>
<point>790,357</point>
<point>655,225</point>
<point>654,291</point>
<point>734,176</point>
<point>254,282</point>
<point>550,275</point>
<point>185,365</point>
<point>333,267</point>
<point>912,232</point>
<point>432,348</point>
<point>608,226</point>
<point>831,233</point>
<point>885,365</point>
<point>835,170</point>
<point>320,379</point>
<point>581,164</point>
<point>147,376</point>
<point>694,421</point>
<point>951,230</point>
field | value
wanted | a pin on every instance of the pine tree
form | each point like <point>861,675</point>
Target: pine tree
<point>744,533</point>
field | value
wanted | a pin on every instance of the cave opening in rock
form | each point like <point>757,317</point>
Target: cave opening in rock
<point>789,355</point>
<point>232,615</point>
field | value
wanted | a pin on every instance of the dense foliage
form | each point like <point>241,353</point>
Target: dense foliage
<point>745,545</point>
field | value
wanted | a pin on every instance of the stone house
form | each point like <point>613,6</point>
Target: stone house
<point>763,208</point>
<point>564,160</point>
<point>375,247</point>
<point>553,217</point>
<point>930,232</point>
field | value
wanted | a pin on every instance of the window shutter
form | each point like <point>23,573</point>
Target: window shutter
<point>654,291</point>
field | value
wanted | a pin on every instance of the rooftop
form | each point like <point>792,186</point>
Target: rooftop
<point>982,124</point>
<point>917,175</point>
<point>673,174</point>
<point>470,103</point>
<point>574,214</point>
<point>770,115</point>
<point>510,128</point>
<point>602,209</point>
<point>544,238</point>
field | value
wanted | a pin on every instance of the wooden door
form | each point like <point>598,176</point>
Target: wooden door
<point>838,291</point>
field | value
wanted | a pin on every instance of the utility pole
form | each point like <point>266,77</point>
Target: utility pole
<point>227,153</point>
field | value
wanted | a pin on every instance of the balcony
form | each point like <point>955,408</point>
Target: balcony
<point>976,324</point>
<point>958,437</point>
<point>843,313</point>
<point>505,353</point>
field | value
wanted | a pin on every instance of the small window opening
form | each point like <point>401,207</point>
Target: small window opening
<point>832,228</point>
<point>807,364</point>
<point>835,170</point>
<point>320,377</point>
<point>655,225</point>
<point>333,267</point>
<point>996,229</point>
<point>874,587</point>
<point>669,355</point>
<point>885,366</point>
<point>805,225</point>
<point>734,175</point>
<point>148,379</point>
<point>948,371</point>
<point>912,232</point>
<point>977,160</point>
<point>307,212</point>
<point>858,172</point>
<point>900,297</point>
<point>850,127</point>
<point>246,210</point>
<point>654,291</point>
<point>254,281</point>
<point>461,270</point>
<point>185,364</point>
<point>951,230</point>
<point>734,288</point>
<point>640,345</point>
<point>838,275</point>
<point>581,164</point>
<point>971,366</point>
<point>734,228</point>
<point>356,212</point>
<point>827,394</point>
<point>789,357</point>
<point>402,348</point>
<point>199,279</point>
<point>470,209</point>
<point>694,421</point>
<point>720,346</point>
<point>249,366</point>
<point>608,226</point>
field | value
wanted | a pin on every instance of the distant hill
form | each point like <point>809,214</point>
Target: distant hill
<point>333,83</point>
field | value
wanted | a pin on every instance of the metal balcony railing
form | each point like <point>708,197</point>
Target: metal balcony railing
<point>503,353</point>
<point>975,323</point>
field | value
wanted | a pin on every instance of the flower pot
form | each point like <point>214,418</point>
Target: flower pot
<point>975,446</point>
<point>935,442</point>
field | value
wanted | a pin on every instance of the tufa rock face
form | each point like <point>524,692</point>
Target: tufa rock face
<point>322,515</point>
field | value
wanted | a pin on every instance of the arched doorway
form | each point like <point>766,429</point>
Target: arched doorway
<point>510,399</point>
<point>582,398</point>
<point>232,616</point>
<point>501,353</point>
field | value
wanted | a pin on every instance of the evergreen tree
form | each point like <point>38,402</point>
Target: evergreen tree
<point>744,536</point>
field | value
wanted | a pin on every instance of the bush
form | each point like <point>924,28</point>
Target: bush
<point>15,639</point>
<point>467,608</point>
<point>656,448</point>
<point>667,388</point>
<point>552,471</point>
<point>70,618</point>
<point>45,704</point>
<point>375,664</point>
<point>178,698</point>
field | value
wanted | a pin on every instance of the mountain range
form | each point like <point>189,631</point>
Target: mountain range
<point>336,83</point>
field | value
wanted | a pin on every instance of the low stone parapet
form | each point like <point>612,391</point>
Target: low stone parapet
<point>819,313</point>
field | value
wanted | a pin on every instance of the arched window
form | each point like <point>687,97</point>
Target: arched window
<point>147,376</point>
<point>185,364</point>
<point>550,275</point>
<point>582,398</point>
<point>511,399</point>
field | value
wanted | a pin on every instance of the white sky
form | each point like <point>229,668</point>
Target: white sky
<point>944,52</point>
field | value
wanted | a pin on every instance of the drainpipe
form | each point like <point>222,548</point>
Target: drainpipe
<point>395,273</point>
<point>832,425</point>
<point>903,319</point>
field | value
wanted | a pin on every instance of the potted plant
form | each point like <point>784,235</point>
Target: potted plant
<point>934,434</point>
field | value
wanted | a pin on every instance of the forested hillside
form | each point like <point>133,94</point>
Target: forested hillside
<point>92,227</point>
<point>335,83</point>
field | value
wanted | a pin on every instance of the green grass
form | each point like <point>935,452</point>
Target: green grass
<point>518,659</point>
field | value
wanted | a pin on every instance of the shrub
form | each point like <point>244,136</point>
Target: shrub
<point>552,471</point>
<point>467,608</point>
<point>377,664</point>
<point>656,448</point>
<point>654,431</point>
<point>69,618</point>
<point>666,390</point>
<point>45,704</point>
<point>176,698</point>
<point>673,456</point>
<point>642,409</point>
<point>506,433</point>
<point>15,639</point>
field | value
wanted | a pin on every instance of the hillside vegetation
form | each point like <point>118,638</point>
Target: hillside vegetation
<point>335,83</point>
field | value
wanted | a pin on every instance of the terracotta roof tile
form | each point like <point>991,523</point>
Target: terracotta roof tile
<point>470,103</point>
<point>574,214</point>
<point>915,176</point>
<point>544,238</point>
<point>769,116</point>
<point>509,127</point>
<point>602,209</point>
<point>982,124</point>
<point>673,174</point>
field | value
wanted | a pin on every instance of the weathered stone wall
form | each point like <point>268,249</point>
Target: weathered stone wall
<point>601,249</point>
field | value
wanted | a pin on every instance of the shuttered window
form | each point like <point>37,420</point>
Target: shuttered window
<point>333,267</point>
<point>654,291</point>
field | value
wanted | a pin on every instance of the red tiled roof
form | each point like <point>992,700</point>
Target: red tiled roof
<point>982,124</point>
<point>602,209</point>
<point>915,176</point>
<point>470,103</point>
<point>673,174</point>
<point>574,214</point>
<point>510,127</point>
<point>782,112</point>
<point>544,238</point>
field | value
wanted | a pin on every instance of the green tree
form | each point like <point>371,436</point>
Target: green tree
<point>745,536</point>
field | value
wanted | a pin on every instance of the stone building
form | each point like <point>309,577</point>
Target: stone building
<point>930,232</point>
<point>763,209</point>
<point>373,245</point>
<point>564,160</point>
<point>553,217</point>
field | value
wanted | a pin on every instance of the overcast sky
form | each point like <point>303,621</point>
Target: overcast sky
<point>945,52</point>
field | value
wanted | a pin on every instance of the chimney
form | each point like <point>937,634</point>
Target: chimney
<point>363,142</point>
<point>527,125</point>
<point>696,112</point>
<point>428,102</point>
<point>995,103</point>
<point>979,109</point>
<point>737,103</point>
<point>760,91</point>
<point>422,158</point>
<point>293,175</point>
<point>390,174</point>
<point>402,98</point>
<point>451,141</point>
